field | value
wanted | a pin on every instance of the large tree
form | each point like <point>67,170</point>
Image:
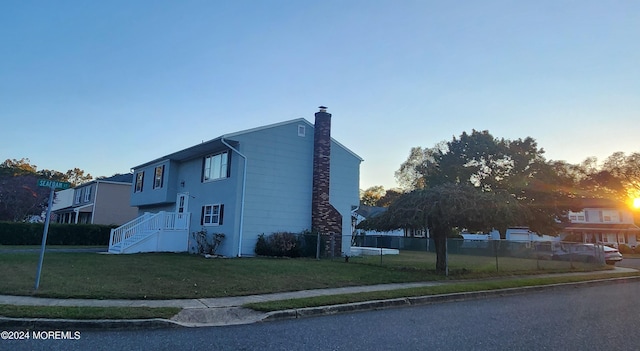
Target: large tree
<point>618,177</point>
<point>517,167</point>
<point>20,197</point>
<point>443,207</point>
<point>479,182</point>
<point>372,195</point>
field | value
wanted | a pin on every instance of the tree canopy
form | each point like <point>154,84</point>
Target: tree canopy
<point>20,196</point>
<point>478,182</point>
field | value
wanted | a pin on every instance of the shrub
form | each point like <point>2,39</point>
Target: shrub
<point>624,249</point>
<point>205,243</point>
<point>285,244</point>
<point>18,233</point>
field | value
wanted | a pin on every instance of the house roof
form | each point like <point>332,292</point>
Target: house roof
<point>370,211</point>
<point>119,178</point>
<point>599,203</point>
<point>602,227</point>
<point>217,143</point>
<point>126,178</point>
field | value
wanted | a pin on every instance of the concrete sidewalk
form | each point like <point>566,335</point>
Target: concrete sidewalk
<point>228,310</point>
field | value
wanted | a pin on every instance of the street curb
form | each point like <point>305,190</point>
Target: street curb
<point>158,323</point>
<point>104,324</point>
<point>431,299</point>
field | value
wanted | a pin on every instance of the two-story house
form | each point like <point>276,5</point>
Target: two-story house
<point>100,201</point>
<point>289,176</point>
<point>603,221</point>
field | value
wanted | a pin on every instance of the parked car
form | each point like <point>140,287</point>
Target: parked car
<point>612,255</point>
<point>587,253</point>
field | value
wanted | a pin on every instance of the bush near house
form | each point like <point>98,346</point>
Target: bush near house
<point>286,244</point>
<point>18,233</point>
<point>625,249</point>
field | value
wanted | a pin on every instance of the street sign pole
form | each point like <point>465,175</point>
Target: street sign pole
<point>53,185</point>
<point>44,237</point>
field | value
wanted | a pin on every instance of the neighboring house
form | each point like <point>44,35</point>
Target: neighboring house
<point>363,212</point>
<point>603,221</point>
<point>290,176</point>
<point>100,201</point>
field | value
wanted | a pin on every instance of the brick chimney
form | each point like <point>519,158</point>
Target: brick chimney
<point>325,219</point>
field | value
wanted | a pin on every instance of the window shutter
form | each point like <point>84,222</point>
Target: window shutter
<point>204,160</point>
<point>202,216</point>
<point>228,164</point>
<point>221,214</point>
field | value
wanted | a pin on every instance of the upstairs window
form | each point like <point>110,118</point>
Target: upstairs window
<point>215,167</point>
<point>577,216</point>
<point>78,195</point>
<point>158,177</point>
<point>212,214</point>
<point>87,194</point>
<point>608,216</point>
<point>139,181</point>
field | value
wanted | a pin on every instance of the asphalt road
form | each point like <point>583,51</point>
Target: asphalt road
<point>629,263</point>
<point>593,318</point>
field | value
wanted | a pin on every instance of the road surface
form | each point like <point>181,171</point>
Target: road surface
<point>603,317</point>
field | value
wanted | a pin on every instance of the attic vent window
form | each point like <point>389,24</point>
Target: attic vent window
<point>301,130</point>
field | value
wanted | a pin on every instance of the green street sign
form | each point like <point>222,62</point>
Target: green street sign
<point>54,184</point>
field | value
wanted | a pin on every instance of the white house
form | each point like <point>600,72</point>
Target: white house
<point>603,221</point>
<point>289,176</point>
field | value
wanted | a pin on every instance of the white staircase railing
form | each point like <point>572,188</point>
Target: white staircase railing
<point>142,227</point>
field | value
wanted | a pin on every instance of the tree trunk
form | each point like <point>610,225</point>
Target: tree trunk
<point>440,241</point>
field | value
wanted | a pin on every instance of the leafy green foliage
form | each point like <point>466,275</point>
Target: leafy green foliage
<point>285,244</point>
<point>20,196</point>
<point>478,182</point>
<point>12,233</point>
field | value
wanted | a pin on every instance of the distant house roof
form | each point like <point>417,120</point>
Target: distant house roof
<point>370,211</point>
<point>119,178</point>
<point>207,146</point>
<point>599,227</point>
<point>126,178</point>
<point>599,203</point>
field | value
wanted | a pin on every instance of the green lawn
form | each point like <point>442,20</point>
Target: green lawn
<point>64,312</point>
<point>169,276</point>
<point>463,266</point>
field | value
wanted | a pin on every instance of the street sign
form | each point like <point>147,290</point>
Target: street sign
<point>53,184</point>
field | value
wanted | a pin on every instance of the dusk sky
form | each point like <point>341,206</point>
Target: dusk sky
<point>107,85</point>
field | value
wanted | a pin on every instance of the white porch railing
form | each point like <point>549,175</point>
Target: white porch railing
<point>144,226</point>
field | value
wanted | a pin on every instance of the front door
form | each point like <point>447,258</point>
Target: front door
<point>182,206</point>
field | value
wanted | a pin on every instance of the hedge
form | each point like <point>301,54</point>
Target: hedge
<point>285,244</point>
<point>13,233</point>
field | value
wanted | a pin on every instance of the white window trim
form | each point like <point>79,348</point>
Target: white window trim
<point>135,189</point>
<point>158,183</point>
<point>223,170</point>
<point>87,194</point>
<point>219,215</point>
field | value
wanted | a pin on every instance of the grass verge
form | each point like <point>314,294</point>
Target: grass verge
<point>63,312</point>
<point>426,291</point>
<point>176,276</point>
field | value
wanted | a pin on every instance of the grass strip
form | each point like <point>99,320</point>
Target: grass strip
<point>66,312</point>
<point>426,291</point>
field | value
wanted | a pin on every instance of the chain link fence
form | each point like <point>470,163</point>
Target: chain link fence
<point>477,255</point>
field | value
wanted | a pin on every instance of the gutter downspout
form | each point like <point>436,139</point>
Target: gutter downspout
<point>244,184</point>
<point>95,207</point>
